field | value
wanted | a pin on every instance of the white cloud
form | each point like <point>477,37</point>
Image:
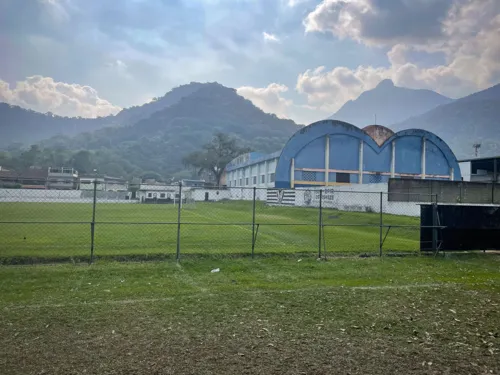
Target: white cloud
<point>43,94</point>
<point>329,90</point>
<point>468,40</point>
<point>270,37</point>
<point>268,98</point>
<point>380,22</point>
<point>293,3</point>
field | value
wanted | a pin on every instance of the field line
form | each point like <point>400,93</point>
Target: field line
<point>239,226</point>
<point>212,294</point>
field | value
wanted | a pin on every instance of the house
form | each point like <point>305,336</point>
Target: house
<point>155,193</point>
<point>104,183</point>
<point>62,178</point>
<point>30,178</point>
<point>481,169</point>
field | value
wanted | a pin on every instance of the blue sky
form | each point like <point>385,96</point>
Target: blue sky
<point>300,59</point>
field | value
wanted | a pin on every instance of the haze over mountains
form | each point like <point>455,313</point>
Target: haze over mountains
<point>387,104</point>
<point>155,136</point>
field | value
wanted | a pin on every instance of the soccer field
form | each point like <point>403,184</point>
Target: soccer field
<point>63,230</point>
<point>411,315</point>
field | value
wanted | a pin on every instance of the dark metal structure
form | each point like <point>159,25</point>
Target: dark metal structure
<point>459,227</point>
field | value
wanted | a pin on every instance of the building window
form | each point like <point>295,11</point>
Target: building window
<point>271,177</point>
<point>309,176</point>
<point>263,179</point>
<point>150,195</point>
<point>255,180</point>
<point>162,195</point>
<point>247,181</point>
<point>344,178</point>
<point>241,181</point>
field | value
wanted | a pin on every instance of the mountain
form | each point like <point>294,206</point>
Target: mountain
<point>129,116</point>
<point>18,125</point>
<point>389,103</point>
<point>26,126</point>
<point>464,122</point>
<point>158,143</point>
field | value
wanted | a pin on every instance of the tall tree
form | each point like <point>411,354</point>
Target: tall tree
<point>215,155</point>
<point>82,161</point>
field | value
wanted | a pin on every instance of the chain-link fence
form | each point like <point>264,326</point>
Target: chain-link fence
<point>175,221</point>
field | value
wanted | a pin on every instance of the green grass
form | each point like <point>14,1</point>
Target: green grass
<point>410,315</point>
<point>63,230</point>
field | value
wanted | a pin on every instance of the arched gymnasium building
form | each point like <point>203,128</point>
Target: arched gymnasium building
<point>330,152</point>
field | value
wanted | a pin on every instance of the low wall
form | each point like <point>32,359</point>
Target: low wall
<point>446,191</point>
<point>60,196</point>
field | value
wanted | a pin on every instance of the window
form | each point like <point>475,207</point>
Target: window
<point>344,178</point>
<point>235,183</point>
<point>309,176</point>
<point>255,180</point>
<point>150,195</point>
<point>263,179</point>
<point>247,181</point>
<point>271,177</point>
<point>241,181</point>
<point>162,195</point>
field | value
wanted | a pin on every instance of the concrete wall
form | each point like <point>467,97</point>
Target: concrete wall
<point>356,198</point>
<point>446,191</point>
<point>60,196</point>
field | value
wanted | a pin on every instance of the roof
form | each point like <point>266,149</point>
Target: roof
<point>258,158</point>
<point>30,173</point>
<point>479,159</point>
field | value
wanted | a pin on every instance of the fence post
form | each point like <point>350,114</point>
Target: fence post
<point>320,222</point>
<point>253,221</point>
<point>92,224</point>
<point>381,241</point>
<point>178,253</point>
<point>434,226</point>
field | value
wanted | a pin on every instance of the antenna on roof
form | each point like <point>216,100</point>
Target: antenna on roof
<point>375,119</point>
<point>476,146</point>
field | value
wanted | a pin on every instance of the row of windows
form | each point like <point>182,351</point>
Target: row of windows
<point>246,181</point>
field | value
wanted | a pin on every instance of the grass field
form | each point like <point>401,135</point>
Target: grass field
<point>63,230</point>
<point>412,315</point>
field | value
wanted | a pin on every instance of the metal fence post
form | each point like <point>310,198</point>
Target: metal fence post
<point>92,224</point>
<point>320,222</point>
<point>178,253</point>
<point>381,243</point>
<point>253,221</point>
<point>434,226</point>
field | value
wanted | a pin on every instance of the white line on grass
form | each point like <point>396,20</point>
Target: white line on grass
<point>204,293</point>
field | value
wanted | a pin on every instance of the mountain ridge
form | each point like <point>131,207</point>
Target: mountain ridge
<point>464,122</point>
<point>388,104</point>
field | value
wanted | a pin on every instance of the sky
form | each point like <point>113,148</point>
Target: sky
<point>299,59</point>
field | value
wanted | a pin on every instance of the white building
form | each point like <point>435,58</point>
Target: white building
<point>104,183</point>
<point>62,178</point>
<point>252,170</point>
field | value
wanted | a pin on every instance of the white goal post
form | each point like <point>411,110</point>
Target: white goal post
<point>187,200</point>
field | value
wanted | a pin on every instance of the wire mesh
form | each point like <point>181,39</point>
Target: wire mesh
<point>161,220</point>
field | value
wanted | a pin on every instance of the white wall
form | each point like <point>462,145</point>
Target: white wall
<point>356,198</point>
<point>254,170</point>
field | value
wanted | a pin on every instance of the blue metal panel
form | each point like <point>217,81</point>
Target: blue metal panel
<point>408,150</point>
<point>435,161</point>
<point>377,160</point>
<point>312,155</point>
<point>344,152</point>
<point>409,155</point>
<point>354,178</point>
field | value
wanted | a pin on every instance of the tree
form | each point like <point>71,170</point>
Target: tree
<point>215,155</point>
<point>82,161</point>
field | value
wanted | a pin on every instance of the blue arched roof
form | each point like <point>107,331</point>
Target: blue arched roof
<point>334,127</point>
